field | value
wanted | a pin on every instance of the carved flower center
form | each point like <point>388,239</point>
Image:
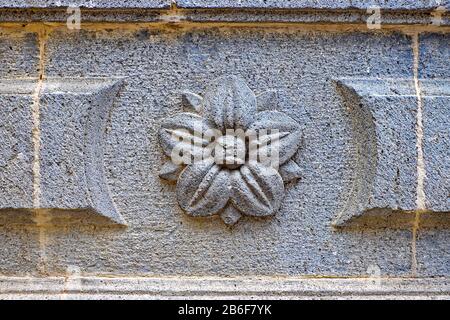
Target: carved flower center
<point>230,151</point>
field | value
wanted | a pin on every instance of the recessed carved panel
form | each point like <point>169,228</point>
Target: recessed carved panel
<point>67,178</point>
<point>384,122</point>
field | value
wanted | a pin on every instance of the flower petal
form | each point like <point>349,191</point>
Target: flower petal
<point>290,134</point>
<point>257,190</point>
<point>203,188</point>
<point>178,130</point>
<point>192,102</point>
<point>230,215</point>
<point>170,171</point>
<point>229,103</point>
<point>290,171</point>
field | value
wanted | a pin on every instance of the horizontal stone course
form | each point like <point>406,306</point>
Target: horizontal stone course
<point>313,4</point>
<point>75,286</point>
<point>92,4</point>
<point>266,4</point>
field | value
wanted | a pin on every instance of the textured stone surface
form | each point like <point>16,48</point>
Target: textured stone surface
<point>73,117</point>
<point>436,123</point>
<point>316,4</point>
<point>232,148</point>
<point>19,53</point>
<point>433,253</point>
<point>166,63</point>
<point>300,4</point>
<point>103,4</point>
<point>350,90</point>
<point>16,149</point>
<point>72,121</point>
<point>384,119</point>
<point>76,286</point>
<point>389,17</point>
<point>20,251</point>
<point>435,53</point>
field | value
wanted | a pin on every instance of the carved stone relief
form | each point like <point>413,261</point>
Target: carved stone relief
<point>384,119</point>
<point>65,173</point>
<point>238,183</point>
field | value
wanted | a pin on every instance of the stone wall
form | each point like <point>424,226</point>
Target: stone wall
<point>92,203</point>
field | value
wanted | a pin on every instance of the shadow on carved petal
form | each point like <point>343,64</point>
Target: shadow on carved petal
<point>203,189</point>
<point>229,103</point>
<point>179,129</point>
<point>192,102</point>
<point>230,215</point>
<point>170,171</point>
<point>267,101</point>
<point>290,171</point>
<point>257,190</point>
<point>289,132</point>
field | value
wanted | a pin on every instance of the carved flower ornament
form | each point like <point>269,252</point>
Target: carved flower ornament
<point>231,152</point>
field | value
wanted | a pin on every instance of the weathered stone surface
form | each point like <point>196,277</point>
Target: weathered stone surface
<point>19,53</point>
<point>74,116</point>
<point>347,96</point>
<point>433,253</point>
<point>315,4</point>
<point>385,126</point>
<point>384,120</point>
<point>322,16</point>
<point>159,68</point>
<point>69,173</point>
<point>16,148</point>
<point>231,151</point>
<point>76,286</point>
<point>297,4</point>
<point>435,53</point>
<point>436,104</point>
<point>103,4</point>
<point>433,56</point>
<point>20,251</point>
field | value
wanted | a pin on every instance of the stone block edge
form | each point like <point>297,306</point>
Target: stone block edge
<point>74,287</point>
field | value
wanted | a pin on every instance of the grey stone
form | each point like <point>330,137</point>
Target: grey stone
<point>76,286</point>
<point>381,108</point>
<point>434,57</point>
<point>314,4</point>
<point>433,253</point>
<point>384,119</point>
<point>290,171</point>
<point>291,4</point>
<point>272,4</point>
<point>436,115</point>
<point>103,4</point>
<point>74,115</point>
<point>317,16</point>
<point>298,240</point>
<point>19,53</point>
<point>16,147</point>
<point>170,171</point>
<point>91,204</point>
<point>20,252</point>
<point>235,169</point>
